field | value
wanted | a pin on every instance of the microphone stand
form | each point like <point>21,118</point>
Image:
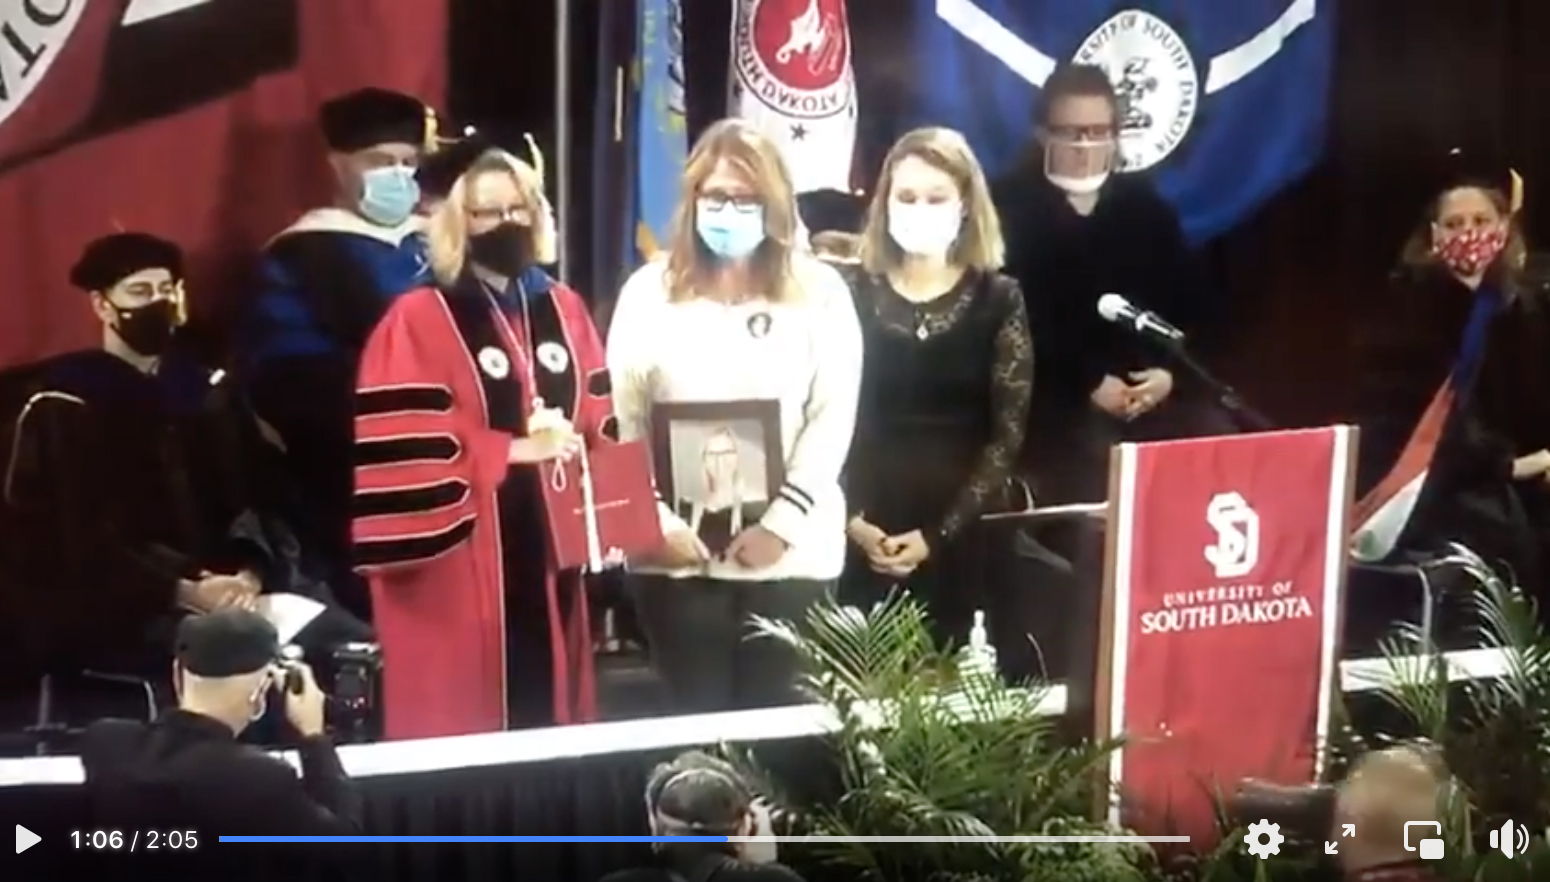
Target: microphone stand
<point>1226,396</point>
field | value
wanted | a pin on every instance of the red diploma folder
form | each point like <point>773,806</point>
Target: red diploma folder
<point>607,493</point>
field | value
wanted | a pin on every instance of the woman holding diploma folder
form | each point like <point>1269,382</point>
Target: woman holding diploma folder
<point>467,392</point>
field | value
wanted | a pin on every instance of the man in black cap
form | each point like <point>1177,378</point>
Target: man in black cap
<point>187,771</point>
<point>131,492</point>
<point>325,281</point>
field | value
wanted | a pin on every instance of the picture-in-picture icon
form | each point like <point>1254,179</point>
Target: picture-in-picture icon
<point>1431,848</point>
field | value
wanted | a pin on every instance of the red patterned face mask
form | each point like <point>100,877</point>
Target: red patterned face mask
<point>1469,252</point>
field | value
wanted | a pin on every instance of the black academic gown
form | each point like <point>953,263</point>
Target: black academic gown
<point>1132,245</point>
<point>1410,346</point>
<point>121,484</point>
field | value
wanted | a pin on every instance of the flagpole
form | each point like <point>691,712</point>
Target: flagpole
<point>562,134</point>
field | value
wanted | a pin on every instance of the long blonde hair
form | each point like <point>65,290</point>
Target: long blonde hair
<point>979,245</point>
<point>446,231</point>
<point>758,160</point>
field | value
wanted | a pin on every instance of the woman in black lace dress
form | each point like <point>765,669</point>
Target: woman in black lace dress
<point>947,382</point>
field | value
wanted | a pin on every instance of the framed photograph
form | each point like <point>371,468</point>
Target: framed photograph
<point>718,463</point>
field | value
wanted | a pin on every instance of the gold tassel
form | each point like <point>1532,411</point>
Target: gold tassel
<point>1515,197</point>
<point>180,302</point>
<point>538,156</point>
<point>432,130</point>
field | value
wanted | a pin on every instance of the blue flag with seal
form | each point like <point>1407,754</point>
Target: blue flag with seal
<point>661,135</point>
<point>1224,102</point>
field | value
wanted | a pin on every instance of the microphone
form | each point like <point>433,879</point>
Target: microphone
<point>1115,308</point>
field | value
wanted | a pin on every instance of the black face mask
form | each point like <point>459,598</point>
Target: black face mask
<point>507,249</point>
<point>147,329</point>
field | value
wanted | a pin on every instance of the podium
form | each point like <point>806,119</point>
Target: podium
<point>1222,608</point>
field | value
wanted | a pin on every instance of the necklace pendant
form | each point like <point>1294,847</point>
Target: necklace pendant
<point>921,331</point>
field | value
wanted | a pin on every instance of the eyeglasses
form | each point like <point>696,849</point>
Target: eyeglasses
<point>1089,134</point>
<point>743,203</point>
<point>498,215</point>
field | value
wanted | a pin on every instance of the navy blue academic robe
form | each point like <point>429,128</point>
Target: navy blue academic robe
<point>325,282</point>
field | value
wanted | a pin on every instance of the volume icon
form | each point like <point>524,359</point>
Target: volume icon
<point>1511,839</point>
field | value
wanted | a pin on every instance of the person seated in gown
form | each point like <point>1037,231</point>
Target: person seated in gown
<point>1453,411</point>
<point>324,282</point>
<point>465,390</point>
<point>698,795</point>
<point>132,496</point>
<point>946,386</point>
<point>1075,231</point>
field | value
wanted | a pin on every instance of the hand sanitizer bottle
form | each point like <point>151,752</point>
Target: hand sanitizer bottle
<point>979,657</point>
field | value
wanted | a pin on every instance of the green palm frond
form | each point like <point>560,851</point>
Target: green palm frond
<point>923,751</point>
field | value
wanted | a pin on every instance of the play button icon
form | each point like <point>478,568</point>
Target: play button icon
<point>25,839</point>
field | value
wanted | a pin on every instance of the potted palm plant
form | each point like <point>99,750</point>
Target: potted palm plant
<point>930,750</point>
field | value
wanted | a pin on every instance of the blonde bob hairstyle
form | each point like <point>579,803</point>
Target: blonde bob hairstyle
<point>979,245</point>
<point>446,231</point>
<point>758,161</point>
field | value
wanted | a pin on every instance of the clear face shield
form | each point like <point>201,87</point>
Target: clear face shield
<point>1079,160</point>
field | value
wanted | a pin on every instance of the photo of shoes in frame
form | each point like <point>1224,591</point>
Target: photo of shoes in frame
<point>718,464</point>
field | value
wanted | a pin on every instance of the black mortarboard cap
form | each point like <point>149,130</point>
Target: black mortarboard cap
<point>227,643</point>
<point>1462,168</point>
<point>107,261</point>
<point>440,170</point>
<point>825,211</point>
<point>368,117</point>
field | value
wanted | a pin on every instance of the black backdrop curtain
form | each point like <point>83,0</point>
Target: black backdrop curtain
<point>1413,79</point>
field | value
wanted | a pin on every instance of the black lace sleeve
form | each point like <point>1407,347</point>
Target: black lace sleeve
<point>1011,388</point>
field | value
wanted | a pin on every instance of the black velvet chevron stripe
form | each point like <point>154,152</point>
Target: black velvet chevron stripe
<point>417,448</point>
<point>600,384</point>
<point>374,402</point>
<point>401,551</point>
<point>610,428</point>
<point>413,501</point>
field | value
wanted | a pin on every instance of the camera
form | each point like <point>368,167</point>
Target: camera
<point>354,711</point>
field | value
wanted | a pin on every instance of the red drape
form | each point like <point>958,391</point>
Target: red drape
<point>219,177</point>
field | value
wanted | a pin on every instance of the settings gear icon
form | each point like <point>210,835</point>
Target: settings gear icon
<point>1263,839</point>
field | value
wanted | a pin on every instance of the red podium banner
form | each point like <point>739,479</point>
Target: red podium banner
<point>1220,647</point>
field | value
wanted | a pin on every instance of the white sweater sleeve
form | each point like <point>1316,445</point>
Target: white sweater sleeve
<point>630,364</point>
<point>829,415</point>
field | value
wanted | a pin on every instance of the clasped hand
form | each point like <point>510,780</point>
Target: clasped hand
<point>1128,399</point>
<point>550,436</point>
<point>214,591</point>
<point>895,556</point>
<point>755,548</point>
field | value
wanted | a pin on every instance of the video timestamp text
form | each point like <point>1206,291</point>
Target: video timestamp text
<point>134,840</point>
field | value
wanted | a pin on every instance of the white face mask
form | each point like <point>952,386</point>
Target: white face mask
<point>923,228</point>
<point>1085,186</point>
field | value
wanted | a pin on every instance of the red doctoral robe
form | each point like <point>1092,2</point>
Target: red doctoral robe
<point>443,388</point>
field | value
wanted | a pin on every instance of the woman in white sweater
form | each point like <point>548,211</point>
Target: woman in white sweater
<point>736,314</point>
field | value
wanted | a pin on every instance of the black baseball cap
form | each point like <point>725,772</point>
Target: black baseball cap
<point>227,643</point>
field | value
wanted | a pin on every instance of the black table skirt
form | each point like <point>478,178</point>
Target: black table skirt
<point>590,796</point>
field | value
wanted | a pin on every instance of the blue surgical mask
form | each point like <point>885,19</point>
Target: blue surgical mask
<point>388,195</point>
<point>729,231</point>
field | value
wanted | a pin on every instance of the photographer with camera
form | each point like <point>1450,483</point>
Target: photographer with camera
<point>700,795</point>
<point>187,770</point>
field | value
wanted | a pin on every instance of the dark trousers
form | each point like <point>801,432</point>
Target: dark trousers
<point>698,634</point>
